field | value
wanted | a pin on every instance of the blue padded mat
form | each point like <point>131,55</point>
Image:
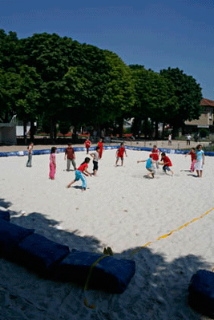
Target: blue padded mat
<point>10,236</point>
<point>5,215</point>
<point>40,254</point>
<point>109,274</point>
<point>201,292</point>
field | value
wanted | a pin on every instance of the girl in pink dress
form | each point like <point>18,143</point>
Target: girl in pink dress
<point>52,163</point>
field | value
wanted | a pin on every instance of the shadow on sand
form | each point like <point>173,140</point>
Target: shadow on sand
<point>156,283</point>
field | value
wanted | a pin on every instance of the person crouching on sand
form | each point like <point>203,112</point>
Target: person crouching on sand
<point>149,166</point>
<point>80,174</point>
<point>166,162</point>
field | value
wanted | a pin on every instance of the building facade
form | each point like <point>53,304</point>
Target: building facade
<point>206,119</point>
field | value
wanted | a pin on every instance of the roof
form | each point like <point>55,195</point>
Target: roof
<point>207,102</point>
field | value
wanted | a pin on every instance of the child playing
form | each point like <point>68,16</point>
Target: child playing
<point>100,144</point>
<point>52,163</point>
<point>87,144</point>
<point>96,157</point>
<point>155,155</point>
<point>192,153</point>
<point>30,152</point>
<point>166,162</point>
<point>149,166</point>
<point>120,154</point>
<point>80,174</point>
<point>70,156</point>
<point>200,160</point>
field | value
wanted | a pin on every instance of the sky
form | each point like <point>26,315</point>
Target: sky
<point>154,33</point>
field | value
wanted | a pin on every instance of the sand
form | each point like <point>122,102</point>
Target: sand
<point>139,218</point>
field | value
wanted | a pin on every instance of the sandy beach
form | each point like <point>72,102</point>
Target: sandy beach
<point>147,220</point>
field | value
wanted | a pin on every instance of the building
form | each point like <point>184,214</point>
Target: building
<point>206,119</point>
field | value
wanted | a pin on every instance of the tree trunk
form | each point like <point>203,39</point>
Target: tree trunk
<point>25,131</point>
<point>156,130</point>
<point>32,131</point>
<point>120,122</point>
<point>51,130</point>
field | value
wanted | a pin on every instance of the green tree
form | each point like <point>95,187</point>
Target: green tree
<point>119,97</point>
<point>154,99</point>
<point>9,73</point>
<point>188,93</point>
<point>9,91</point>
<point>51,55</point>
<point>80,82</point>
<point>9,51</point>
<point>27,103</point>
<point>98,87</point>
<point>19,95</point>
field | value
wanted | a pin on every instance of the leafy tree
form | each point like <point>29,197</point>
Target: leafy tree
<point>100,88</point>
<point>28,99</point>
<point>19,95</point>
<point>9,74</point>
<point>119,97</point>
<point>9,89</point>
<point>188,93</point>
<point>9,51</point>
<point>154,99</point>
<point>51,56</point>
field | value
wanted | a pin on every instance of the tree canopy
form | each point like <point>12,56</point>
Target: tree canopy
<point>188,94</point>
<point>55,79</point>
<point>154,97</point>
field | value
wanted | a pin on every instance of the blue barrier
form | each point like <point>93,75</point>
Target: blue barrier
<point>77,149</point>
<point>39,152</point>
<point>108,273</point>
<point>5,215</point>
<point>10,236</point>
<point>201,292</point>
<point>49,258</point>
<point>40,254</point>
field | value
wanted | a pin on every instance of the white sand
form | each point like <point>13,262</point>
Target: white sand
<point>123,210</point>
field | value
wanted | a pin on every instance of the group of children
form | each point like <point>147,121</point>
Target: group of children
<point>152,163</point>
<point>156,158</point>
<point>82,171</point>
<point>197,161</point>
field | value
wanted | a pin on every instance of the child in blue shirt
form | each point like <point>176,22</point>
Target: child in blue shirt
<point>149,166</point>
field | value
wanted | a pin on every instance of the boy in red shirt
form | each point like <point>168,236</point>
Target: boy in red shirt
<point>166,162</point>
<point>120,154</point>
<point>70,156</point>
